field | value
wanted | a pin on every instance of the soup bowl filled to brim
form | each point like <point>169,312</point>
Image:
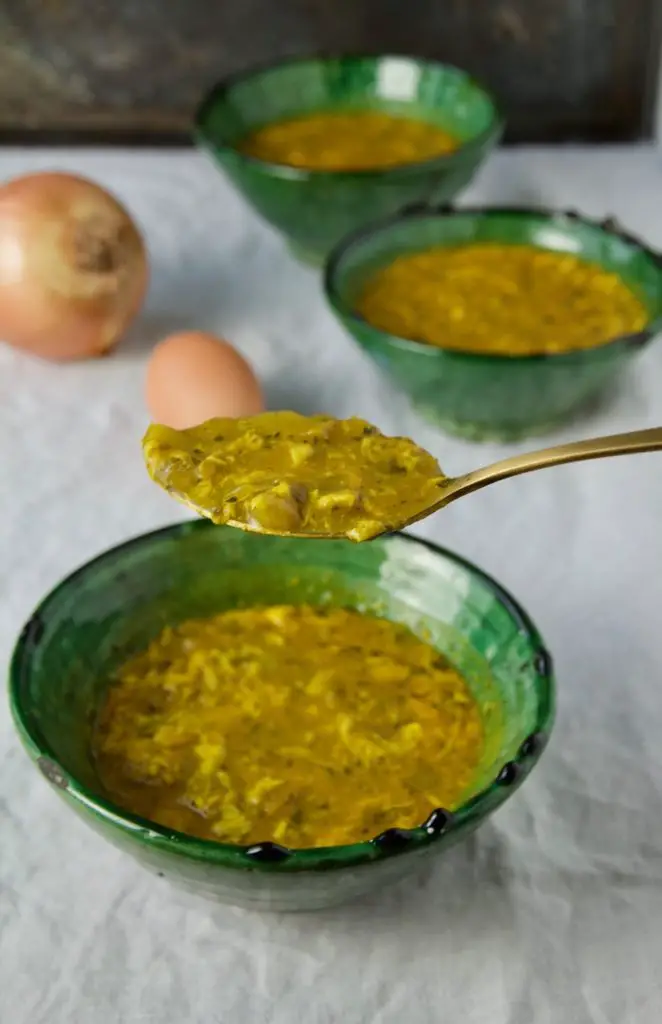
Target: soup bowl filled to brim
<point>313,209</point>
<point>116,604</point>
<point>480,395</point>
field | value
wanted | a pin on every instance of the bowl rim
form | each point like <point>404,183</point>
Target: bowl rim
<point>448,211</point>
<point>270,856</point>
<point>222,88</point>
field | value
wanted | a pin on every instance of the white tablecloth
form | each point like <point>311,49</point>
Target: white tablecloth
<point>553,912</point>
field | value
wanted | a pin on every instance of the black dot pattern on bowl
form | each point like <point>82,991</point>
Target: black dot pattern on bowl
<point>508,774</point>
<point>33,631</point>
<point>543,662</point>
<point>267,853</point>
<point>393,840</point>
<point>438,821</point>
<point>532,745</point>
<point>637,340</point>
<point>415,208</point>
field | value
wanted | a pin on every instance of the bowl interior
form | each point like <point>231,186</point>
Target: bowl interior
<point>116,604</point>
<point>354,261</point>
<point>440,94</point>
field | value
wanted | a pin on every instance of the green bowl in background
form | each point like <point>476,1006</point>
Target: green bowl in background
<point>482,396</point>
<point>314,209</point>
<point>116,604</point>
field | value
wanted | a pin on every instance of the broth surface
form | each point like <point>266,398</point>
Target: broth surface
<point>347,141</point>
<point>306,726</point>
<point>510,300</point>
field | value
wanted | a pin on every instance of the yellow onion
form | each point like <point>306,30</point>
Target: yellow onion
<point>73,266</point>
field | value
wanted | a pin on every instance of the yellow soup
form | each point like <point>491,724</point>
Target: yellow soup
<point>510,300</point>
<point>283,473</point>
<point>305,726</point>
<point>358,140</point>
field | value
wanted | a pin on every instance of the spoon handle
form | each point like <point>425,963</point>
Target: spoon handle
<point>577,451</point>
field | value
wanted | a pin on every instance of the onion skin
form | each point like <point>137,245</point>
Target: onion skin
<point>73,267</point>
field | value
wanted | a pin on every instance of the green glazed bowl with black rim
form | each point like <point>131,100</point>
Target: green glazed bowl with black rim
<point>494,397</point>
<point>117,603</point>
<point>314,209</point>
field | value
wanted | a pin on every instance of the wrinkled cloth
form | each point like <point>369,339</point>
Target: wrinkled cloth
<point>552,912</point>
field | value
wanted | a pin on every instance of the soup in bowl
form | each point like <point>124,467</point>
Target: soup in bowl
<point>473,681</point>
<point>319,146</point>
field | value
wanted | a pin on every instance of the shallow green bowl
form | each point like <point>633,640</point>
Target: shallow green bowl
<point>117,603</point>
<point>494,397</point>
<point>314,209</point>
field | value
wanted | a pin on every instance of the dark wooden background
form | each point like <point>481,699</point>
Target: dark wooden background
<point>133,70</point>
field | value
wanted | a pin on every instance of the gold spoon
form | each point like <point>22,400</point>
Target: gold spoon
<point>577,451</point>
<point>194,466</point>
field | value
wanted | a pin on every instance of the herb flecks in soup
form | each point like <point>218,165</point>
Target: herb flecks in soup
<point>356,140</point>
<point>283,473</point>
<point>305,726</point>
<point>508,300</point>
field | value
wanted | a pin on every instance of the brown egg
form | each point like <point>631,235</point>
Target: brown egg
<point>193,376</point>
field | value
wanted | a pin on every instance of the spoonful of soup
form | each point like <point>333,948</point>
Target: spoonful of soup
<point>316,476</point>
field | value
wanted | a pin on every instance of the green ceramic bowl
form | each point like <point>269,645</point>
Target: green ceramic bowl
<point>314,209</point>
<point>117,603</point>
<point>494,397</point>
